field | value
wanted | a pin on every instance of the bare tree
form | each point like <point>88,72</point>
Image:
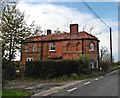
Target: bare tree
<point>84,28</point>
<point>37,30</point>
<point>89,27</point>
<point>92,26</point>
<point>104,54</point>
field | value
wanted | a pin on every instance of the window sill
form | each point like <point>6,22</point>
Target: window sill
<point>34,51</point>
<point>26,51</point>
<point>51,50</point>
<point>91,50</point>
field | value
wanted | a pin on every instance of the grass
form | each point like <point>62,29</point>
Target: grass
<point>115,67</point>
<point>20,94</point>
<point>13,93</point>
<point>85,76</point>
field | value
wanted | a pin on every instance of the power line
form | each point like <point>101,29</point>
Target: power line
<point>83,1</point>
<point>104,24</point>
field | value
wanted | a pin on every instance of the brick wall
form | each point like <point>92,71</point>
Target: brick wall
<point>72,48</point>
<point>65,49</point>
<point>30,53</point>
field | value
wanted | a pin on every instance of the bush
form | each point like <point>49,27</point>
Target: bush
<point>52,69</point>
<point>85,64</point>
<point>8,70</point>
<point>104,65</point>
<point>118,63</point>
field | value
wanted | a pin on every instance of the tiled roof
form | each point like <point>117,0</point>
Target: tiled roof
<point>66,36</point>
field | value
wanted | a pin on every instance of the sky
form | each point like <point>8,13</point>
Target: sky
<point>59,15</point>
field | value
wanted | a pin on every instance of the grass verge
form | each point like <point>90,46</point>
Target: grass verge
<point>13,93</point>
<point>72,77</point>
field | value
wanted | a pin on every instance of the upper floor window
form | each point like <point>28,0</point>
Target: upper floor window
<point>52,46</point>
<point>68,47</point>
<point>26,48</point>
<point>91,47</point>
<point>78,46</point>
<point>35,47</point>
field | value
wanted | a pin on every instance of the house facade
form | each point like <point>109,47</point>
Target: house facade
<point>61,46</point>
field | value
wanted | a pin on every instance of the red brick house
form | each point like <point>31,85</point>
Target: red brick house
<point>61,46</point>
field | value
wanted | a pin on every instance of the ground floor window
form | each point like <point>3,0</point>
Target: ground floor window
<point>29,59</point>
<point>92,65</point>
<point>97,64</point>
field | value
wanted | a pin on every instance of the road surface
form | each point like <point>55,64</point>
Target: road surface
<point>103,86</point>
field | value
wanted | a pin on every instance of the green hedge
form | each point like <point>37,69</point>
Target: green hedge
<point>8,70</point>
<point>118,63</point>
<point>104,65</point>
<point>52,69</point>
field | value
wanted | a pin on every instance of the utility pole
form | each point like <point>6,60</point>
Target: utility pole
<point>111,45</point>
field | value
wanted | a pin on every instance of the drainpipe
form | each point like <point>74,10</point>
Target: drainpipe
<point>41,51</point>
<point>82,46</point>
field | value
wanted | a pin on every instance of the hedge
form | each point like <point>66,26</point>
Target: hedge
<point>104,65</point>
<point>8,70</point>
<point>118,63</point>
<point>52,69</point>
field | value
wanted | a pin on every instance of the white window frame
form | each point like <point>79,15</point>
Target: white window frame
<point>97,64</point>
<point>52,46</point>
<point>92,65</point>
<point>29,59</point>
<point>91,47</point>
<point>34,48</point>
<point>26,48</point>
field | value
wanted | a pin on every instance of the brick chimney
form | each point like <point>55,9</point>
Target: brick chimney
<point>73,28</point>
<point>48,32</point>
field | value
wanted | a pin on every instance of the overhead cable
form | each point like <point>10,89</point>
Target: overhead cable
<point>83,1</point>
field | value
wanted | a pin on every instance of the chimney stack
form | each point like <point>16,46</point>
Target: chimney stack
<point>73,28</point>
<point>48,32</point>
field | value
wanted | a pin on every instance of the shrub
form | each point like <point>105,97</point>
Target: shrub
<point>85,64</point>
<point>56,68</point>
<point>51,69</point>
<point>104,65</point>
<point>8,70</point>
<point>118,63</point>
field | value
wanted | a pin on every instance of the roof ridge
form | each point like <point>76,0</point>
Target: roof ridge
<point>87,33</point>
<point>63,36</point>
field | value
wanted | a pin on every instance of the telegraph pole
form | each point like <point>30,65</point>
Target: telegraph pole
<point>111,45</point>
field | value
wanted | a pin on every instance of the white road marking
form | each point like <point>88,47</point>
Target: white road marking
<point>96,79</point>
<point>86,83</point>
<point>72,89</point>
<point>101,77</point>
<point>111,73</point>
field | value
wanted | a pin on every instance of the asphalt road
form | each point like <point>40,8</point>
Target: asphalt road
<point>103,86</point>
